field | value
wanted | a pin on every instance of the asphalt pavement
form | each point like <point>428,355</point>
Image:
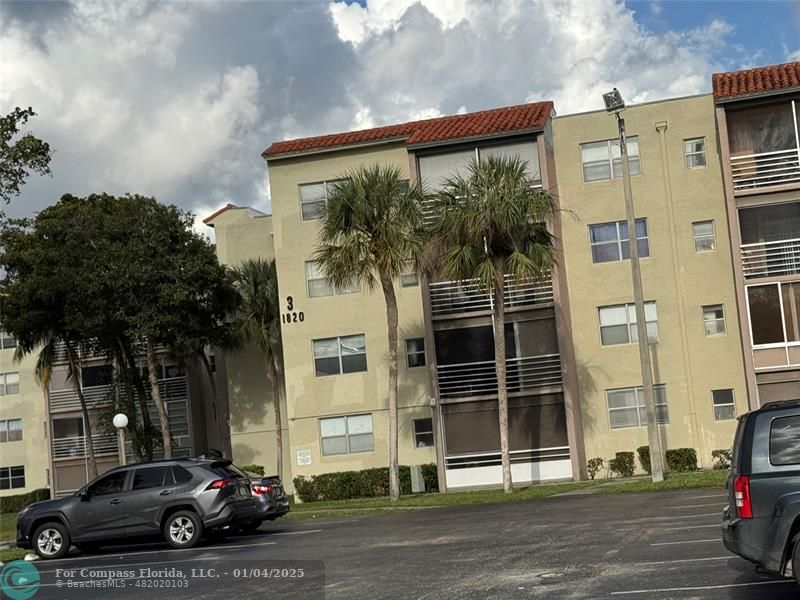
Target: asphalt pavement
<point>663,545</point>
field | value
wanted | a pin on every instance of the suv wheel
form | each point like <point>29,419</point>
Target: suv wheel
<point>51,540</point>
<point>183,529</point>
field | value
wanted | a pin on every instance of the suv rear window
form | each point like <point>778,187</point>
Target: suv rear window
<point>784,441</point>
<point>181,475</point>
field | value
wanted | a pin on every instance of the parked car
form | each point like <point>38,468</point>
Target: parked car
<point>271,500</point>
<point>178,499</point>
<point>762,520</point>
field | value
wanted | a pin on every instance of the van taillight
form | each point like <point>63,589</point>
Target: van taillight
<point>741,492</point>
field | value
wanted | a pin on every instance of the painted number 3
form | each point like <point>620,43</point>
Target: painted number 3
<point>292,316</point>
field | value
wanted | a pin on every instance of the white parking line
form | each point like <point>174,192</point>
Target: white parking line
<point>679,560</point>
<point>136,553</point>
<point>702,587</point>
<point>690,527</point>
<point>694,505</point>
<point>298,532</point>
<point>687,542</point>
<point>722,498</point>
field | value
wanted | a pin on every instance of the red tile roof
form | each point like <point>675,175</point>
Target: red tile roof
<point>523,117</point>
<point>755,81</point>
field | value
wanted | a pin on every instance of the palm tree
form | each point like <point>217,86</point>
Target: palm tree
<point>491,223</point>
<point>256,281</point>
<point>48,349</point>
<point>369,234</point>
<point>155,393</point>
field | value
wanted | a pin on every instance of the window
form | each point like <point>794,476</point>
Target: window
<point>333,356</point>
<point>409,277</point>
<point>181,475</point>
<point>7,341</point>
<point>626,407</point>
<point>415,352</point>
<point>784,441</point>
<point>724,408</point>
<point>695,151</point>
<point>12,478</point>
<point>609,241</point>
<point>97,375</point>
<point>346,435</point>
<point>423,433</point>
<point>601,160</point>
<point>313,197</point>
<point>774,311</point>
<point>150,477</point>
<point>618,324</point>
<point>705,240</point>
<point>11,430</point>
<point>714,319</point>
<point>317,286</point>
<point>112,483</point>
<point>9,384</point>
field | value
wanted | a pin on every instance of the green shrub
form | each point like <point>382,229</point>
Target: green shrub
<point>593,467</point>
<point>681,460</point>
<point>644,458</point>
<point>368,483</point>
<point>13,504</point>
<point>722,459</point>
<point>258,469</point>
<point>622,464</point>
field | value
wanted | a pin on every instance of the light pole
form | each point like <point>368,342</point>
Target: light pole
<point>121,422</point>
<point>615,104</point>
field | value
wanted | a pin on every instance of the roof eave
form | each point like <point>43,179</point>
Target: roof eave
<point>475,138</point>
<point>754,95</point>
<point>334,148</point>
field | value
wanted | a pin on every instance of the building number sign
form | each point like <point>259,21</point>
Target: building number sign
<point>291,315</point>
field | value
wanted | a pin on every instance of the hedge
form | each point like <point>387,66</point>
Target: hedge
<point>622,464</point>
<point>594,466</point>
<point>257,469</point>
<point>14,504</point>
<point>644,458</point>
<point>722,458</point>
<point>368,483</point>
<point>681,460</point>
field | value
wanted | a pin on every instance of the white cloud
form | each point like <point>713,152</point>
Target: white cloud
<point>793,56</point>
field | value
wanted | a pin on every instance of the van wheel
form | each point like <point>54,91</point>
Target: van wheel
<point>182,529</point>
<point>51,540</point>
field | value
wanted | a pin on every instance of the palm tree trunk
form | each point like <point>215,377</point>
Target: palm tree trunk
<point>130,405</point>
<point>74,366</point>
<point>155,392</point>
<point>134,384</point>
<point>391,321</point>
<point>223,427</point>
<point>277,387</point>
<point>500,369</point>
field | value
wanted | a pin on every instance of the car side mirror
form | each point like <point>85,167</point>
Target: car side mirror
<point>84,494</point>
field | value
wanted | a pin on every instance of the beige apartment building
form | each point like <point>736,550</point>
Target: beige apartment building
<point>758,114</point>
<point>23,460</point>
<point>690,296</point>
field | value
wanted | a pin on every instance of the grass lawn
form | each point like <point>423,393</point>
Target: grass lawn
<point>673,481</point>
<point>8,527</point>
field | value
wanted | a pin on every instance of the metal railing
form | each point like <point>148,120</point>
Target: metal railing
<point>174,388</point>
<point>75,447</point>
<point>769,259</point>
<point>480,379</point>
<point>456,297</point>
<point>753,171</point>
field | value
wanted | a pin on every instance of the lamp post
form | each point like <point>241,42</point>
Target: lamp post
<point>615,104</point>
<point>121,422</point>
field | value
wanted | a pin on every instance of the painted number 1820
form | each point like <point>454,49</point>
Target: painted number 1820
<point>291,315</point>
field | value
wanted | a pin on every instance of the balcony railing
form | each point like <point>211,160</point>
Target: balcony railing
<point>97,396</point>
<point>754,171</point>
<point>455,297</point>
<point>75,447</point>
<point>771,259</point>
<point>480,378</point>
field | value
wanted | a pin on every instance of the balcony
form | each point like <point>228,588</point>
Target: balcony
<point>771,259</point>
<point>458,297</point>
<point>98,396</point>
<point>480,379</point>
<point>75,447</point>
<point>756,171</point>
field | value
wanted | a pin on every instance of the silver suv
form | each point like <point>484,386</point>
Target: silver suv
<point>177,499</point>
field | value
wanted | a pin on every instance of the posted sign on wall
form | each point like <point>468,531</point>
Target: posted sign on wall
<point>303,457</point>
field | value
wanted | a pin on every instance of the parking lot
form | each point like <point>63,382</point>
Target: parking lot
<point>647,545</point>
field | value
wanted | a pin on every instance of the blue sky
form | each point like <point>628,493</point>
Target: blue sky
<point>178,99</point>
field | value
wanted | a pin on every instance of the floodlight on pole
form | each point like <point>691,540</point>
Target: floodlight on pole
<point>121,422</point>
<point>615,104</point>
